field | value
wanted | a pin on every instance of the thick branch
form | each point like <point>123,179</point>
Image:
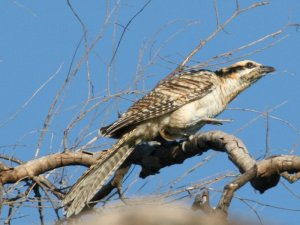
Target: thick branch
<point>154,156</point>
<point>39,166</point>
<point>269,169</point>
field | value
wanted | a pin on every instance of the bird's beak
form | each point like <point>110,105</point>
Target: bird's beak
<point>267,69</point>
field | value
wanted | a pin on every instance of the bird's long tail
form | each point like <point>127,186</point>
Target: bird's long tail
<point>97,175</point>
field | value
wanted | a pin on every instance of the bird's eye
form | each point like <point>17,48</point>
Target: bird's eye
<point>250,65</point>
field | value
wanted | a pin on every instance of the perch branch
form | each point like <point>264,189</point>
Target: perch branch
<point>154,156</point>
<point>269,169</point>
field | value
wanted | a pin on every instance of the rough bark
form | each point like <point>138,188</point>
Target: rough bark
<point>154,156</point>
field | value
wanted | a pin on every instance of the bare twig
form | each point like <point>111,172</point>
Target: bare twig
<point>40,206</point>
<point>243,47</point>
<point>27,102</point>
<point>126,27</point>
<point>266,169</point>
<point>262,175</point>
<point>219,28</point>
<point>68,80</point>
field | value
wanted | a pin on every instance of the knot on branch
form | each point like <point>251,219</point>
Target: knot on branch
<point>154,156</point>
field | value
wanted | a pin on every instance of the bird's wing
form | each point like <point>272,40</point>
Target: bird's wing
<point>166,97</point>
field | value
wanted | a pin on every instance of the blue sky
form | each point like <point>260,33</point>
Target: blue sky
<point>39,39</point>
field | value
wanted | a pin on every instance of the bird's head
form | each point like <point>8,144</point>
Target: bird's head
<point>246,71</point>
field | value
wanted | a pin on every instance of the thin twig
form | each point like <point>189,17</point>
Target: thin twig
<point>40,204</point>
<point>219,28</point>
<point>67,81</point>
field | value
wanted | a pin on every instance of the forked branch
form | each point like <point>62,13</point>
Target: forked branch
<point>152,157</point>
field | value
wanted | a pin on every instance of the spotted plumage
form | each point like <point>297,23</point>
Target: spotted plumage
<point>165,98</point>
<point>176,108</point>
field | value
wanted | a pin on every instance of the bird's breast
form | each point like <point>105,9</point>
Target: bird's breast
<point>209,106</point>
<point>188,119</point>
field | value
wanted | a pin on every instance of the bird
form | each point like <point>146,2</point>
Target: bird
<point>176,108</point>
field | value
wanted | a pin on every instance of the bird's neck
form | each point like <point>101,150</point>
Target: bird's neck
<point>231,87</point>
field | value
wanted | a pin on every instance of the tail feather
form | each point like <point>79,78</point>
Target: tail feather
<point>93,180</point>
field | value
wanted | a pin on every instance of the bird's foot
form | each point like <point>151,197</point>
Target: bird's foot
<point>183,142</point>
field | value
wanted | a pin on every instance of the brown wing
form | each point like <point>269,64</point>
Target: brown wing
<point>166,97</point>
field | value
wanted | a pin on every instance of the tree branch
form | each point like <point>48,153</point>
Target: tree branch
<point>154,156</point>
<point>220,27</point>
<point>268,169</point>
<point>39,166</point>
